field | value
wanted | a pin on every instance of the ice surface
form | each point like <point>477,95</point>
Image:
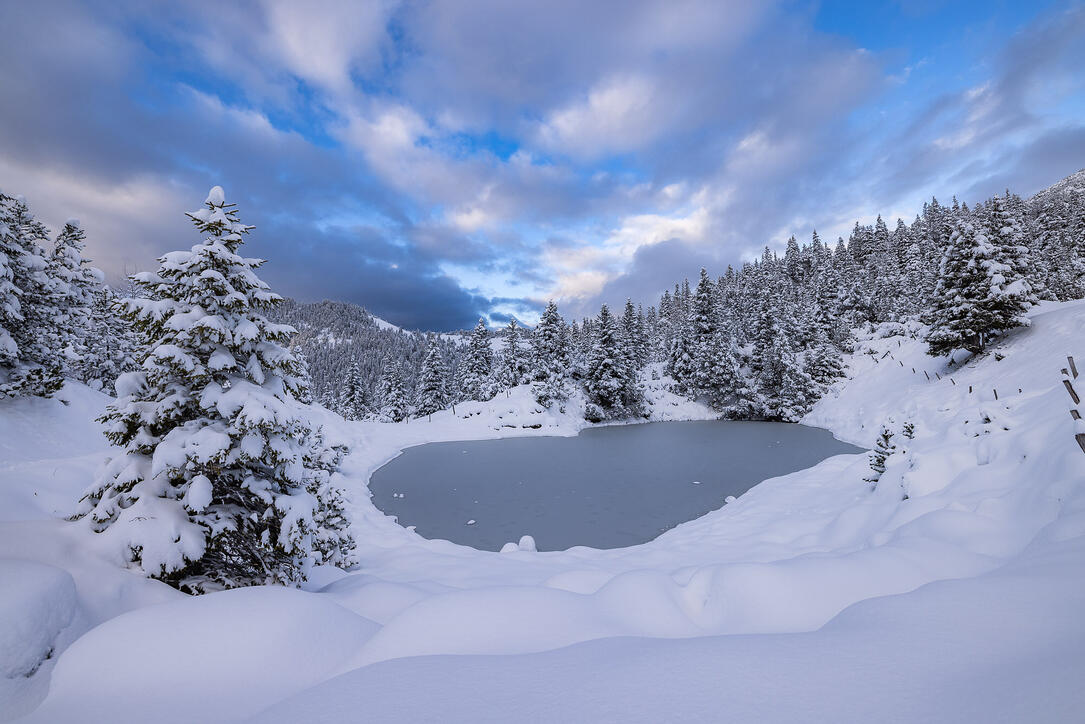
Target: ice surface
<point>605,488</point>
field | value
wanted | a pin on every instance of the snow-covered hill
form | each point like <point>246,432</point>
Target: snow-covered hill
<point>811,597</point>
<point>1072,184</point>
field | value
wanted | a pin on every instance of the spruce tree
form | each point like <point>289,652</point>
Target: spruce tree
<point>393,394</point>
<point>550,358</point>
<point>723,381</point>
<point>514,364</point>
<point>682,360</point>
<point>977,297</point>
<point>609,384</point>
<point>353,403</point>
<point>214,485</point>
<point>432,382</point>
<point>477,366</point>
<point>883,448</point>
<point>30,315</point>
<point>77,287</point>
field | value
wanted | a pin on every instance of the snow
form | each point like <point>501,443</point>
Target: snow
<point>224,654</point>
<point>216,197</point>
<point>38,604</point>
<point>811,597</point>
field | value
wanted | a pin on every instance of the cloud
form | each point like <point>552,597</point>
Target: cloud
<point>438,161</point>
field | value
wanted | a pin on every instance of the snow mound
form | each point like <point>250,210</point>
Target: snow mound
<point>239,649</point>
<point>38,603</point>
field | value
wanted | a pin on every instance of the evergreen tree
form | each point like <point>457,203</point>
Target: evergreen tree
<point>30,316</point>
<point>333,543</point>
<point>112,344</point>
<point>824,365</point>
<point>432,382</point>
<point>393,395</point>
<point>977,297</point>
<point>477,366</point>
<point>682,362</point>
<point>609,384</point>
<point>723,380</point>
<point>213,488</point>
<point>550,358</point>
<point>77,285</point>
<point>883,448</point>
<point>514,364</point>
<point>353,403</point>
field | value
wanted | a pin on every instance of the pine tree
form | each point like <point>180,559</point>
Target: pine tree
<point>1006,232</point>
<point>77,285</point>
<point>353,402</point>
<point>681,362</point>
<point>433,393</point>
<point>213,486</point>
<point>332,543</point>
<point>977,297</point>
<point>514,364</point>
<point>550,358</point>
<point>883,449</point>
<point>723,381</point>
<point>477,366</point>
<point>609,384</point>
<point>29,295</point>
<point>823,364</point>
<point>393,395</point>
<point>112,344</point>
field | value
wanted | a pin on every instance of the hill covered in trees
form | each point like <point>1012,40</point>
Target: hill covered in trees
<point>760,341</point>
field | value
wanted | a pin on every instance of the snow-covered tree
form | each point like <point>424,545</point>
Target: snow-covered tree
<point>432,392</point>
<point>476,366</point>
<point>214,485</point>
<point>112,345</point>
<point>77,285</point>
<point>394,406</point>
<point>723,381</point>
<point>514,364</point>
<point>883,448</point>
<point>610,384</point>
<point>353,403</point>
<point>332,541</point>
<point>30,315</point>
<point>978,296</point>
<point>550,358</point>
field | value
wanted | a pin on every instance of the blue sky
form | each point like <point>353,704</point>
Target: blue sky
<point>438,161</point>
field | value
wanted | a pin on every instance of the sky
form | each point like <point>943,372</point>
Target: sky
<point>440,161</point>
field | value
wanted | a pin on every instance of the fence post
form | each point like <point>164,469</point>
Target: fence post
<point>1074,413</point>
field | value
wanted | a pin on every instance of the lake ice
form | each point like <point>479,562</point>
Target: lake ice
<point>608,487</point>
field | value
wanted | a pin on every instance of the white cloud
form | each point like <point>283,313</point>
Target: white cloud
<point>619,115</point>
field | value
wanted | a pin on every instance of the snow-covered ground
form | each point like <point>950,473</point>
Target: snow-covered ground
<point>809,598</point>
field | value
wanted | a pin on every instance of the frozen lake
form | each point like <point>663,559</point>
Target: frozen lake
<point>608,487</point>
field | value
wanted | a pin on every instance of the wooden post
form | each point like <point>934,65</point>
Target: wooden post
<point>901,362</point>
<point>938,375</point>
<point>996,393</point>
<point>1073,367</point>
<point>926,375</point>
<point>1073,394</point>
<point>951,380</point>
